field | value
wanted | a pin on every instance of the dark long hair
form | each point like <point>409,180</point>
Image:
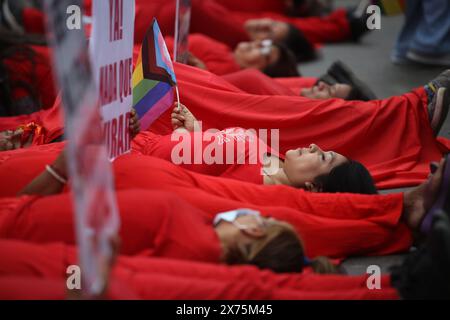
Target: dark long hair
<point>299,45</point>
<point>280,251</point>
<point>285,66</point>
<point>349,177</point>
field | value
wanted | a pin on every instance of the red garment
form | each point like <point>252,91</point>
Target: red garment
<point>50,120</point>
<point>231,153</point>
<point>254,5</point>
<point>334,225</point>
<point>255,82</point>
<point>207,17</point>
<point>392,137</point>
<point>297,84</point>
<point>218,22</point>
<point>217,57</point>
<point>33,20</point>
<point>376,219</point>
<point>37,73</point>
<point>152,223</point>
<point>149,278</point>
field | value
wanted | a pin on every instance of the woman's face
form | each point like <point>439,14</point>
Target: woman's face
<point>303,165</point>
<point>256,54</point>
<point>326,91</point>
<point>10,140</point>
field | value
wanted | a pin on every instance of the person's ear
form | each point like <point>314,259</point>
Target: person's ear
<point>312,187</point>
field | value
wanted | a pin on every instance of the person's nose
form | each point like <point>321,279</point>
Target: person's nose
<point>312,148</point>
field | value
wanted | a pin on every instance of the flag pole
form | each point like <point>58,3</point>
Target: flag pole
<point>177,18</point>
<point>178,97</point>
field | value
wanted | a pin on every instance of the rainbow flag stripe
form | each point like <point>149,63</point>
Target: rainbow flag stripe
<point>153,78</point>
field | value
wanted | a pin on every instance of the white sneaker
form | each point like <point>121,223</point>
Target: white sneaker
<point>428,59</point>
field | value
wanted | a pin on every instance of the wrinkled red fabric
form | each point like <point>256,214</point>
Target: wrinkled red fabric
<point>218,22</point>
<point>391,137</point>
<point>334,225</point>
<point>27,266</point>
<point>155,224</point>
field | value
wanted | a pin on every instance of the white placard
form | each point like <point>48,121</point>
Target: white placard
<point>111,51</point>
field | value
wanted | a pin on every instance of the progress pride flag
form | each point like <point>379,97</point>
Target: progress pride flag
<point>111,51</point>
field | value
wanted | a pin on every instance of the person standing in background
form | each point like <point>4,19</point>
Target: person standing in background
<point>425,37</point>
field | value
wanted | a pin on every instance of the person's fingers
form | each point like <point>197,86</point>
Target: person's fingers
<point>176,123</point>
<point>178,116</point>
<point>134,129</point>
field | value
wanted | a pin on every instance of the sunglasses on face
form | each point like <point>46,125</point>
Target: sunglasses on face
<point>266,47</point>
<point>256,220</point>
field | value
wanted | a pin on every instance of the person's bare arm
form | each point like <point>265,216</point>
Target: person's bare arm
<point>46,184</point>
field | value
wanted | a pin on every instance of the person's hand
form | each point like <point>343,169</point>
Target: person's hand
<point>195,62</point>
<point>135,125</point>
<point>182,118</point>
<point>259,29</point>
<point>262,29</point>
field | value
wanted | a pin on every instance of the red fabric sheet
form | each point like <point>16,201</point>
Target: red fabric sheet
<point>334,225</point>
<point>148,278</point>
<point>216,55</point>
<point>218,22</point>
<point>392,137</point>
<point>254,5</point>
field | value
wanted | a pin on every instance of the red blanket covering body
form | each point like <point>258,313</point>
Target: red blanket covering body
<point>155,224</point>
<point>334,225</point>
<point>32,271</point>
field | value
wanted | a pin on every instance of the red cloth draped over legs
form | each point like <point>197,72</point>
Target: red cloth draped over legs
<point>376,219</point>
<point>218,22</point>
<point>297,84</point>
<point>392,137</point>
<point>152,223</point>
<point>335,225</point>
<point>217,56</point>
<point>170,279</point>
<point>255,82</point>
<point>207,17</point>
<point>332,28</point>
<point>254,5</point>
